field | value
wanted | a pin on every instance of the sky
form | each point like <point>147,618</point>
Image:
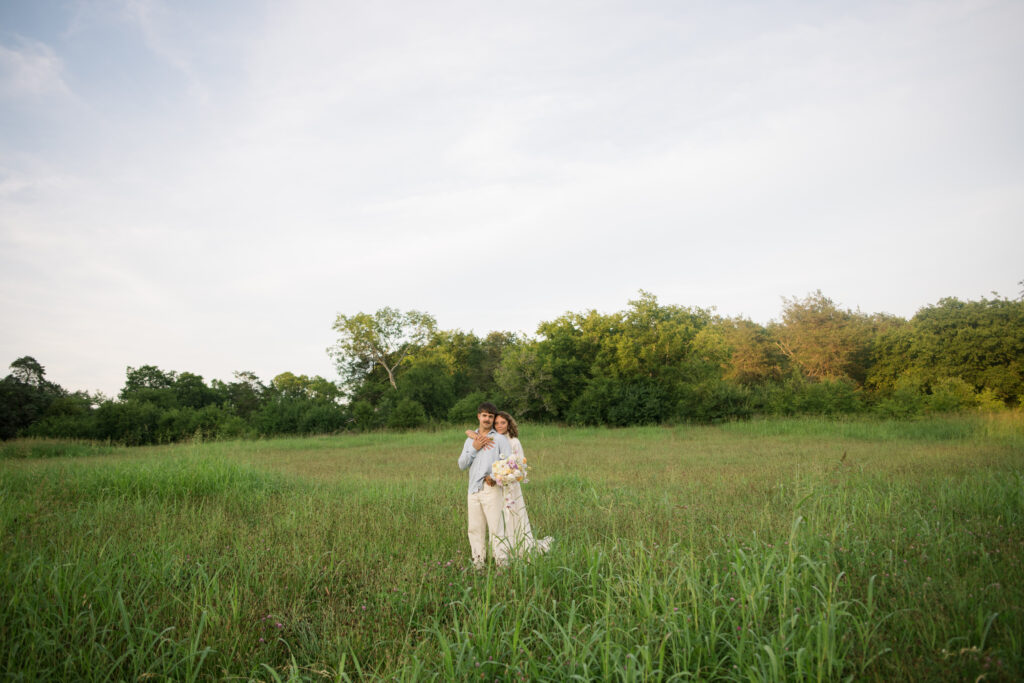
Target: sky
<point>204,186</point>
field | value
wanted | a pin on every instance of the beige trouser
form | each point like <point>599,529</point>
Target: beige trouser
<point>485,508</point>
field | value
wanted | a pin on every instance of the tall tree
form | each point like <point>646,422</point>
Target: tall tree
<point>146,377</point>
<point>27,370</point>
<point>382,339</point>
<point>980,342</point>
<point>25,395</point>
<point>823,340</point>
<point>752,357</point>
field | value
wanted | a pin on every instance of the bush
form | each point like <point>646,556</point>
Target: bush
<point>828,397</point>
<point>950,394</point>
<point>176,424</point>
<point>407,414</point>
<point>234,427</point>
<point>323,419</point>
<point>131,422</point>
<point>907,400</point>
<point>713,401</point>
<point>620,403</point>
<point>67,426</point>
<point>430,386</point>
<point>464,409</point>
<point>365,416</point>
<point>280,416</point>
<point>988,401</point>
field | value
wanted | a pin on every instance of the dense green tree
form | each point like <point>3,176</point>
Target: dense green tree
<point>27,370</point>
<point>712,400</point>
<point>365,417</point>
<point>243,396</point>
<point>618,402</point>
<point>150,384</point>
<point>131,422</point>
<point>71,416</point>
<point>593,366</point>
<point>430,386</point>
<point>752,355</point>
<point>824,341</point>
<point>190,391</point>
<point>652,340</point>
<point>543,377</point>
<point>146,377</point>
<point>314,388</point>
<point>524,379</point>
<point>25,396</point>
<point>980,342</point>
<point>464,410</point>
<point>407,414</point>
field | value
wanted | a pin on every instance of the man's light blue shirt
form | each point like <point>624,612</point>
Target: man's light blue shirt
<point>479,462</point>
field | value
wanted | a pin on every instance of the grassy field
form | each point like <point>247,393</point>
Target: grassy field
<point>798,549</point>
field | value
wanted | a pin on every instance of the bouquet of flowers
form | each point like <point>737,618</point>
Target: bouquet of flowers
<point>510,470</point>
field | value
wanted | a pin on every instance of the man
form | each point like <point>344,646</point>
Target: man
<point>485,498</point>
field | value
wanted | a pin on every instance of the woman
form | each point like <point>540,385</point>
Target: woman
<point>517,522</point>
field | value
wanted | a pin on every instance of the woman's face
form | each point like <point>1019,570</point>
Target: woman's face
<point>500,425</point>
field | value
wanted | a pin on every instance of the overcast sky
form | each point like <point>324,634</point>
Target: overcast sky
<point>204,186</point>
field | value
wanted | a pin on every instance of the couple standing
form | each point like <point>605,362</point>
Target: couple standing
<point>494,509</point>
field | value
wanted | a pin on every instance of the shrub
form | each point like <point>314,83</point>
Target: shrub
<point>322,418</point>
<point>430,386</point>
<point>67,426</point>
<point>713,401</point>
<point>234,427</point>
<point>907,400</point>
<point>828,397</point>
<point>279,416</point>
<point>365,416</point>
<point>988,401</point>
<point>407,414</point>
<point>131,422</point>
<point>464,409</point>
<point>619,403</point>
<point>950,394</point>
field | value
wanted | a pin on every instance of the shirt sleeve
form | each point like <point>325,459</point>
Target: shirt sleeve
<point>468,455</point>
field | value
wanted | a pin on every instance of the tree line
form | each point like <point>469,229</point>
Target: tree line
<point>648,364</point>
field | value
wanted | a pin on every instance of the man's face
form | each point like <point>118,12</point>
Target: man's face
<point>486,420</point>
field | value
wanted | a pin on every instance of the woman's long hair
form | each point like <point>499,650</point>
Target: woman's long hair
<point>513,428</point>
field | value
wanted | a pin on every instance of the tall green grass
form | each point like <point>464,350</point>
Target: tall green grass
<point>775,551</point>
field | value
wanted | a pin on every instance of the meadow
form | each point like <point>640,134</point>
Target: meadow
<point>792,549</point>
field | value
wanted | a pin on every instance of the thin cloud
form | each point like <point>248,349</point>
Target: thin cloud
<point>30,70</point>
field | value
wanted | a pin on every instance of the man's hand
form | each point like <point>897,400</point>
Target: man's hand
<point>482,441</point>
<point>489,481</point>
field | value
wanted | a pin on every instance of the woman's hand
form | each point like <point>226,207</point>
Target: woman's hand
<point>482,442</point>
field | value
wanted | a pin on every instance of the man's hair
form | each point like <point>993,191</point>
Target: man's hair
<point>487,407</point>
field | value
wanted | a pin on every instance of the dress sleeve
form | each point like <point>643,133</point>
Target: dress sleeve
<point>517,447</point>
